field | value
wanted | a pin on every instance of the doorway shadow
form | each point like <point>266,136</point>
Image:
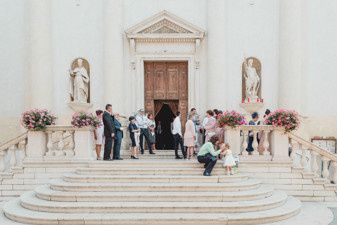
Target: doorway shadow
<point>164,137</point>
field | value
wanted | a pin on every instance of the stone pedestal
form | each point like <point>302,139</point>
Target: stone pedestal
<point>232,137</point>
<point>80,106</point>
<point>84,144</point>
<point>37,144</point>
<point>251,107</point>
<point>279,145</point>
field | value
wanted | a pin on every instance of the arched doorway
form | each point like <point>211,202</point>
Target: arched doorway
<point>164,115</point>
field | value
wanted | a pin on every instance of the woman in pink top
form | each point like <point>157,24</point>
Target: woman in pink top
<point>210,125</point>
<point>189,136</point>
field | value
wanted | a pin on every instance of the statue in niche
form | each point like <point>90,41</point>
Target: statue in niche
<point>80,81</point>
<point>251,79</point>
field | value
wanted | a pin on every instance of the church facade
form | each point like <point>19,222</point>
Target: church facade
<point>142,54</point>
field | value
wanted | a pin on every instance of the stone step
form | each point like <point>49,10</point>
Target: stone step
<point>14,211</point>
<point>30,201</point>
<point>147,171</point>
<point>61,185</point>
<point>87,178</point>
<point>44,192</point>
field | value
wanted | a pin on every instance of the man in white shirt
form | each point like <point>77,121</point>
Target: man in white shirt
<point>178,140</point>
<point>142,123</point>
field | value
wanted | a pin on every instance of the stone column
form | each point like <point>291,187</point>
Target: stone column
<point>39,54</point>
<point>291,50</point>
<point>216,47</point>
<point>114,88</point>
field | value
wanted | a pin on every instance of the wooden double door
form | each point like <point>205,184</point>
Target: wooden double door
<point>166,83</point>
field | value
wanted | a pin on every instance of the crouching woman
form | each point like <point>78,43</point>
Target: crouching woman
<point>208,154</point>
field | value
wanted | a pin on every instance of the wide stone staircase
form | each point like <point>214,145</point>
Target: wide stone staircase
<point>151,191</point>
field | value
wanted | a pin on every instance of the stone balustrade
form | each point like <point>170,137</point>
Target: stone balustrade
<point>313,159</point>
<point>61,142</point>
<point>267,141</point>
<point>12,153</point>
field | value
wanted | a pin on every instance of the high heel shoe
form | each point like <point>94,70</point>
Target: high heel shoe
<point>133,157</point>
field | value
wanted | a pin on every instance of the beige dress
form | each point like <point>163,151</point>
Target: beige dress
<point>189,135</point>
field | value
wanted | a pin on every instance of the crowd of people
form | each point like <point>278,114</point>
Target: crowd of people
<point>202,138</point>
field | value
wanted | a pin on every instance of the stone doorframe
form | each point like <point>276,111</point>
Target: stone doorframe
<point>164,37</point>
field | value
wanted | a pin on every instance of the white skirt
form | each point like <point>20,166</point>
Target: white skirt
<point>100,135</point>
<point>229,160</point>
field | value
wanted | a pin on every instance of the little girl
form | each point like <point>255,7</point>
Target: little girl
<point>134,136</point>
<point>228,160</point>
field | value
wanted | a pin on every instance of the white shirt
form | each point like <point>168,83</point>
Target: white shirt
<point>176,126</point>
<point>142,121</point>
<point>205,121</point>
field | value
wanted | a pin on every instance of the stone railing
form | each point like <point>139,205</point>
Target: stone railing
<point>272,144</point>
<point>313,159</point>
<point>12,153</point>
<point>61,142</point>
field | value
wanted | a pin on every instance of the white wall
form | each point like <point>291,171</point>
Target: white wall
<point>13,69</point>
<point>77,29</point>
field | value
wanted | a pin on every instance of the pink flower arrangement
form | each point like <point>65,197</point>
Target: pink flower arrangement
<point>287,119</point>
<point>83,119</point>
<point>231,119</point>
<point>37,119</point>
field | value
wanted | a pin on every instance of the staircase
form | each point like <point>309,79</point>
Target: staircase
<point>151,191</point>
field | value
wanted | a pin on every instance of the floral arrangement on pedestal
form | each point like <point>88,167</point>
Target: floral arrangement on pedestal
<point>287,119</point>
<point>37,119</point>
<point>83,119</point>
<point>231,119</point>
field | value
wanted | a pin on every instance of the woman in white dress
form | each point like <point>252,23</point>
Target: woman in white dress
<point>99,134</point>
<point>189,136</point>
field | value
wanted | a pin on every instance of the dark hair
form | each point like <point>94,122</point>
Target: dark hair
<point>220,112</point>
<point>214,139</point>
<point>255,115</point>
<point>98,112</point>
<point>178,113</point>
<point>267,112</point>
<point>148,115</point>
<point>107,106</point>
<point>210,112</point>
<point>215,111</point>
<point>131,118</point>
<point>193,109</point>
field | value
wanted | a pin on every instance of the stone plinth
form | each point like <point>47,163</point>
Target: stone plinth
<point>37,144</point>
<point>232,136</point>
<point>280,145</point>
<point>251,107</point>
<point>84,144</point>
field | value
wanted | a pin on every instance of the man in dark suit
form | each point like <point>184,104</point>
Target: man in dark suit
<point>253,122</point>
<point>109,131</point>
<point>118,140</point>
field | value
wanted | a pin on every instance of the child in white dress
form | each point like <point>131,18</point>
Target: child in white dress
<point>228,160</point>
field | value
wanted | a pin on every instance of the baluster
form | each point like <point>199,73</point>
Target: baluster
<point>11,154</point>
<point>50,143</point>
<point>245,142</point>
<point>334,178</point>
<point>255,143</point>
<point>71,151</point>
<point>2,161</point>
<point>266,142</point>
<point>21,153</point>
<point>314,164</point>
<point>294,147</point>
<point>325,171</point>
<point>303,158</point>
<point>60,145</point>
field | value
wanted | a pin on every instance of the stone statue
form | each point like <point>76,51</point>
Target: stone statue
<point>251,78</point>
<point>79,79</point>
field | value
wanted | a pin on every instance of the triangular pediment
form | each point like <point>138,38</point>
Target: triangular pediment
<point>163,25</point>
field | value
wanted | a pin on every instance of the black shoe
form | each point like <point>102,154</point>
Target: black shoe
<point>119,159</point>
<point>142,152</point>
<point>178,157</point>
<point>134,157</point>
<point>152,153</point>
<point>206,174</point>
<point>107,159</point>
